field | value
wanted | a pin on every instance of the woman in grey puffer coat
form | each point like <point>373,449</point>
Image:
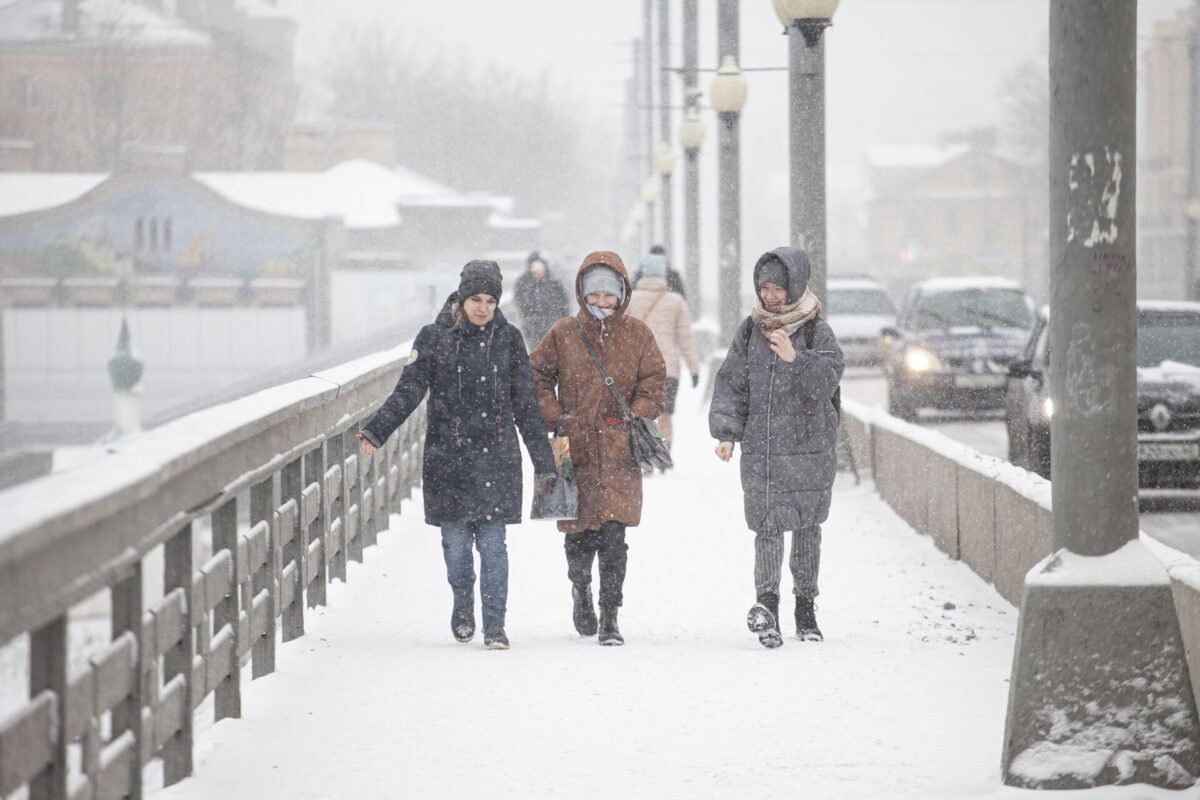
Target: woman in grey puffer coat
<point>775,395</point>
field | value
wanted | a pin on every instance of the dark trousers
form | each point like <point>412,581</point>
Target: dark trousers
<point>609,543</point>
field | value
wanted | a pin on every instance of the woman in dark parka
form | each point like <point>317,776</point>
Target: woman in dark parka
<point>774,395</point>
<point>474,366</point>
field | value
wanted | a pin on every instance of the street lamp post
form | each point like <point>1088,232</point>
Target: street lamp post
<point>664,165</point>
<point>728,96</point>
<point>691,136</point>
<point>806,113</point>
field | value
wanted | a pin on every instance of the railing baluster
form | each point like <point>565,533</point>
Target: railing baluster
<point>228,696</point>
<point>291,487</point>
<point>127,715</point>
<point>177,574</point>
<point>261,496</point>
<point>48,670</point>
<point>314,473</point>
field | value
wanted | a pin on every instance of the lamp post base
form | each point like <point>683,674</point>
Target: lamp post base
<point>1100,693</point>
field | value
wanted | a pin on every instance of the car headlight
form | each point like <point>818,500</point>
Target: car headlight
<point>1047,407</point>
<point>920,359</point>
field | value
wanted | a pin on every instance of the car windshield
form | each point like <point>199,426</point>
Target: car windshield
<point>982,307</point>
<point>859,301</point>
<point>1173,337</point>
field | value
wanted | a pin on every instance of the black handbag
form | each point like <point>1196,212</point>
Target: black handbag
<point>646,442</point>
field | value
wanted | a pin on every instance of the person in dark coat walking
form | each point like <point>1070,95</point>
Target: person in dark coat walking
<point>541,299</point>
<point>474,366</point>
<point>774,395</point>
<point>575,401</point>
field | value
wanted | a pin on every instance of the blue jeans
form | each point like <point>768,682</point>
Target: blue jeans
<point>489,539</point>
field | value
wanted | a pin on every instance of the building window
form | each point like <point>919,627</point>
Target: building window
<point>30,92</point>
<point>167,234</point>
<point>153,235</point>
<point>139,234</point>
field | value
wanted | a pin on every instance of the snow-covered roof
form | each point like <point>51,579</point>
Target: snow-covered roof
<point>122,22</point>
<point>913,156</point>
<point>22,192</point>
<point>363,193</point>
<point>1168,305</point>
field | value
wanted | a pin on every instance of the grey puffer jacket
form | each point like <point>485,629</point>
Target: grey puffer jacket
<point>782,414</point>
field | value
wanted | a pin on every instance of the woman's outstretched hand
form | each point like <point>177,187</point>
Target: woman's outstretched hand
<point>725,451</point>
<point>365,445</point>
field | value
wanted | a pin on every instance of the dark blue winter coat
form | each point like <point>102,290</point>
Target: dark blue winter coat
<point>481,392</point>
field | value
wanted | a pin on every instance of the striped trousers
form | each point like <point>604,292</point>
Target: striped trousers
<point>805,561</point>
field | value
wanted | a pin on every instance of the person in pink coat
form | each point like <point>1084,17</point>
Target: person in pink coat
<point>669,319</point>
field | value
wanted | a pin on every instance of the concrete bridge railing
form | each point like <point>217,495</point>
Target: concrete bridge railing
<point>277,483</point>
<point>982,510</point>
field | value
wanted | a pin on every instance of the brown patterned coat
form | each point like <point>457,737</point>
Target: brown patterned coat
<point>572,394</point>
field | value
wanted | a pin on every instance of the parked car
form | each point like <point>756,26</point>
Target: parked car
<point>858,308</point>
<point>1168,388</point>
<point>954,343</point>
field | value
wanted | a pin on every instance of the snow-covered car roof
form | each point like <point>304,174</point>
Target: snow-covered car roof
<point>857,282</point>
<point>961,282</point>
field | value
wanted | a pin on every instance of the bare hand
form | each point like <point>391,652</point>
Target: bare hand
<point>724,451</point>
<point>365,445</point>
<point>782,345</point>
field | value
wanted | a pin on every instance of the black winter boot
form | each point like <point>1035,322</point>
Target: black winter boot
<point>494,638</point>
<point>584,614</point>
<point>462,622</point>
<point>609,633</point>
<point>806,621</point>
<point>763,619</point>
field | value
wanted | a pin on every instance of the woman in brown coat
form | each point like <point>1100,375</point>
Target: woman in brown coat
<point>576,402</point>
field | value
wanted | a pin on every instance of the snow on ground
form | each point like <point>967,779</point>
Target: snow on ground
<point>906,698</point>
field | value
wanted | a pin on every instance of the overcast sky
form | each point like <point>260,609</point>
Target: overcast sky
<point>897,71</point>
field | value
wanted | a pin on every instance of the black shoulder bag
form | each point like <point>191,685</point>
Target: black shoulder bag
<point>646,441</point>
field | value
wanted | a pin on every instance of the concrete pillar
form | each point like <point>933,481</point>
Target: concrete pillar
<point>1100,692</point>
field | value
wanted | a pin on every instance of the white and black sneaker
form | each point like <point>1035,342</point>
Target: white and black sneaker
<point>494,638</point>
<point>462,623</point>
<point>763,619</point>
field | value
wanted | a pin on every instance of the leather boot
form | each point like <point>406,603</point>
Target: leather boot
<point>609,633</point>
<point>806,621</point>
<point>584,613</point>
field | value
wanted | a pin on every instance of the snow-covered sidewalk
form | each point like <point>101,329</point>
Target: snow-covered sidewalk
<point>905,699</point>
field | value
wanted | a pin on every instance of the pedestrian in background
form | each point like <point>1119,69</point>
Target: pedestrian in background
<point>774,395</point>
<point>674,279</point>
<point>577,403</point>
<point>668,317</point>
<point>541,299</point>
<point>475,369</point>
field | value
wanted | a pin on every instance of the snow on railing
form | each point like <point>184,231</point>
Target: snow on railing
<point>277,480</point>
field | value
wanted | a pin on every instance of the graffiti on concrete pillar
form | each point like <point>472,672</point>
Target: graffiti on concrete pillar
<point>1094,186</point>
<point>1090,376</point>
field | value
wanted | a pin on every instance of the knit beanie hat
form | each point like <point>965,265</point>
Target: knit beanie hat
<point>601,278</point>
<point>773,271</point>
<point>654,265</point>
<point>479,277</point>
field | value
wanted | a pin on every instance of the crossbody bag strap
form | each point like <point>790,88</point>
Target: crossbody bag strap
<point>607,380</point>
<point>649,310</point>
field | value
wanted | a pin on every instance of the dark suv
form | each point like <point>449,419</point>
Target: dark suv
<point>1168,388</point>
<point>954,343</point>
